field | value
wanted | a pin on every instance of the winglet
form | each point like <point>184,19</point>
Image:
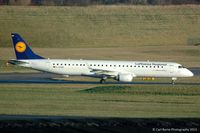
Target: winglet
<point>22,50</point>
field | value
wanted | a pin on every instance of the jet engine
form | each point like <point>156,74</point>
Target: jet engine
<point>125,77</point>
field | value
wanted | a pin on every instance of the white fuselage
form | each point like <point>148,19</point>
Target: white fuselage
<point>99,68</point>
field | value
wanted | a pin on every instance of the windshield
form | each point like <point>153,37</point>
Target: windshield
<point>181,67</point>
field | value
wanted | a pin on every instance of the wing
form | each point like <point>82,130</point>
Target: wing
<point>108,73</point>
<point>112,73</point>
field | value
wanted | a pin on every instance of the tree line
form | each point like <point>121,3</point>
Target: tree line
<point>97,2</point>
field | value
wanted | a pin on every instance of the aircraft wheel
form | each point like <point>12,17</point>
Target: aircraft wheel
<point>102,81</point>
<point>173,80</point>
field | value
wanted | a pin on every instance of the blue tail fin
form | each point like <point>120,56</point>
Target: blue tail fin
<point>22,50</point>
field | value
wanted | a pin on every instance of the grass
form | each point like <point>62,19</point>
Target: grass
<point>194,41</point>
<point>108,101</point>
<point>101,26</point>
<point>147,90</point>
<point>155,33</point>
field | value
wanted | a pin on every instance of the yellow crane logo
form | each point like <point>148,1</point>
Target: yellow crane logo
<point>20,47</point>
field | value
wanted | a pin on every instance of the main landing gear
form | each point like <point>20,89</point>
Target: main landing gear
<point>173,80</point>
<point>103,80</point>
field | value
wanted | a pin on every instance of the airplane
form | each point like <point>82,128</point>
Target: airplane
<point>123,71</point>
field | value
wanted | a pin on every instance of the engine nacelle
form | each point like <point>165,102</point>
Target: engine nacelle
<point>125,77</point>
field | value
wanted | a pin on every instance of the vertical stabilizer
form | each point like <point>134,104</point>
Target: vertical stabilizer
<point>22,50</point>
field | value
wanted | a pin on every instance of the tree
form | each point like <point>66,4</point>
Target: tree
<point>36,2</point>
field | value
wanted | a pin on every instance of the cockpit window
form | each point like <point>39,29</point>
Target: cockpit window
<point>180,67</point>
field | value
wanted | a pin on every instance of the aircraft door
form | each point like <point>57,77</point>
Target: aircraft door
<point>172,70</point>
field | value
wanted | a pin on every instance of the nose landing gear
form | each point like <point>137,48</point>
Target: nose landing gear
<point>173,80</point>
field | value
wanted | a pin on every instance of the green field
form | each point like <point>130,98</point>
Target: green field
<point>102,26</point>
<point>108,101</point>
<point>157,33</point>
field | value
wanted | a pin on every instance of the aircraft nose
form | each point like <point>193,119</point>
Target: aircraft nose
<point>188,73</point>
<point>191,74</point>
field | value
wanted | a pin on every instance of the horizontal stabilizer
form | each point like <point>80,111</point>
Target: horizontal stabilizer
<point>16,62</point>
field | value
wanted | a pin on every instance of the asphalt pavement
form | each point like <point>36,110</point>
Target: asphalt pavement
<point>48,78</point>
